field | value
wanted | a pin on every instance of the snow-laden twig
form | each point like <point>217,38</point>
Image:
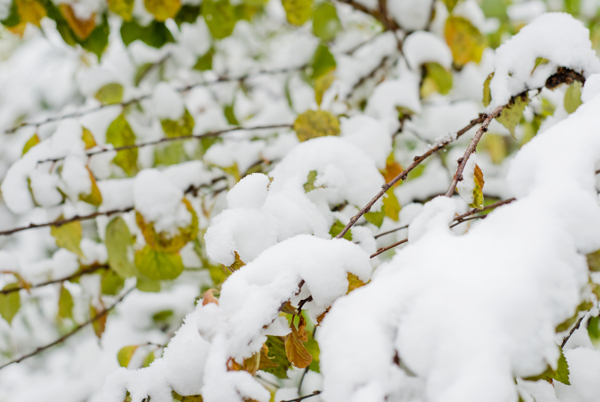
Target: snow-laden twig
<point>71,333</point>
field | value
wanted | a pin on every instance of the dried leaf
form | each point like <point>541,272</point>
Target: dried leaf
<point>81,28</point>
<point>278,363</point>
<point>478,189</point>
<point>237,263</point>
<point>313,124</point>
<point>209,297</point>
<point>295,350</point>
<point>100,323</point>
<point>302,329</point>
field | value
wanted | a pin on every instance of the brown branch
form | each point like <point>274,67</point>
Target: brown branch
<point>60,280</point>
<point>191,189</point>
<point>170,139</point>
<point>458,176</point>
<point>315,393</point>
<point>391,231</point>
<point>384,249</point>
<point>68,335</point>
<point>402,176</point>
<point>566,339</point>
<point>139,99</point>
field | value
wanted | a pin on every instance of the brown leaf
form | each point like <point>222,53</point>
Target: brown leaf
<point>100,323</point>
<point>302,329</point>
<point>209,297</point>
<point>81,28</point>
<point>322,316</point>
<point>252,363</point>
<point>295,350</point>
<point>265,360</point>
<point>392,169</point>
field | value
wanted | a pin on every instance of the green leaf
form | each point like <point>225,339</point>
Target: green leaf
<point>561,373</point>
<point>13,18</point>
<point>376,218</point>
<point>313,348</point>
<point>450,4</point>
<point>110,94</point>
<point>310,181</point>
<point>148,286</point>
<point>187,13</point>
<point>125,354</point>
<point>170,154</point>
<point>573,97</point>
<point>68,236</point>
<point>230,115</point>
<point>10,303</point>
<point>118,243</point>
<point>158,265</point>
<point>98,39</point>
<point>156,34</point>
<point>593,260</point>
<point>162,9</point>
<point>297,12</point>
<point>162,316</point>
<point>487,93</point>
<point>512,114</point>
<point>182,127</point>
<point>326,23</point>
<point>437,79</point>
<point>148,361</point>
<point>123,8</point>
<point>337,228</point>
<point>465,40</point>
<point>313,124</point>
<point>277,355</point>
<point>322,84</point>
<point>220,17</point>
<point>119,134</point>
<point>594,329</point>
<point>141,72</point>
<point>65,303</point>
<point>323,62</point>
<point>111,283</point>
<point>540,61</point>
<point>33,141</point>
<point>205,61</point>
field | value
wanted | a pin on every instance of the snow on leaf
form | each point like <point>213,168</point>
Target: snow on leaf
<point>561,373</point>
<point>123,8</point>
<point>323,62</point>
<point>125,354</point>
<point>465,40</point>
<point>437,79</point>
<point>297,11</point>
<point>119,134</point>
<point>31,142</point>
<point>155,34</point>
<point>593,260</point>
<point>68,236</point>
<point>158,265</point>
<point>220,17</point>
<point>65,303</point>
<point>94,197</point>
<point>110,94</point>
<point>237,264</point>
<point>354,282</point>
<point>313,124</point>
<point>111,283</point>
<point>118,243</point>
<point>512,114</point>
<point>295,350</point>
<point>326,23</point>
<point>163,9</point>
<point>10,303</point>
<point>88,139</point>
<point>182,127</point>
<point>310,181</point>
<point>82,28</point>
<point>540,61</point>
<point>573,97</point>
<point>337,228</point>
<point>149,359</point>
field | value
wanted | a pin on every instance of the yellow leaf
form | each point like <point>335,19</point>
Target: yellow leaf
<point>297,11</point>
<point>110,94</point>
<point>322,316</point>
<point>123,8</point>
<point>10,303</point>
<point>98,324</point>
<point>313,124</point>
<point>94,197</point>
<point>512,114</point>
<point>322,84</point>
<point>88,139</point>
<point>119,133</point>
<point>163,9</point>
<point>265,360</point>
<point>295,350</point>
<point>478,189</point>
<point>32,142</point>
<point>391,205</point>
<point>392,169</point>
<point>81,28</point>
<point>68,236</point>
<point>353,283</point>
<point>252,363</point>
<point>487,93</point>
<point>465,40</point>
<point>125,354</point>
<point>65,303</point>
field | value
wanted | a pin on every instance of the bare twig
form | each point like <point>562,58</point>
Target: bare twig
<point>402,176</point>
<point>391,231</point>
<point>315,393</point>
<point>170,139</point>
<point>471,148</point>
<point>566,339</point>
<point>192,189</point>
<point>384,249</point>
<point>70,334</point>
<point>87,271</point>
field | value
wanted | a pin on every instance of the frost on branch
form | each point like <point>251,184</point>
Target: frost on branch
<point>197,360</point>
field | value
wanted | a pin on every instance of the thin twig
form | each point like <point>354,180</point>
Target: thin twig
<point>458,176</point>
<point>391,231</point>
<point>384,249</point>
<point>192,189</point>
<point>60,280</point>
<point>68,335</point>
<point>315,393</point>
<point>566,339</point>
<point>402,176</point>
<point>170,139</point>
<point>148,96</point>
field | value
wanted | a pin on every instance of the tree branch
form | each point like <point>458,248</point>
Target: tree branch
<point>471,148</point>
<point>192,189</point>
<point>171,139</point>
<point>315,393</point>
<point>566,339</point>
<point>70,334</point>
<point>61,280</point>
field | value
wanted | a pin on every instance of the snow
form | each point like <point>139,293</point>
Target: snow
<point>466,186</point>
<point>422,47</point>
<point>167,103</point>
<point>557,37</point>
<point>411,15</point>
<point>369,135</point>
